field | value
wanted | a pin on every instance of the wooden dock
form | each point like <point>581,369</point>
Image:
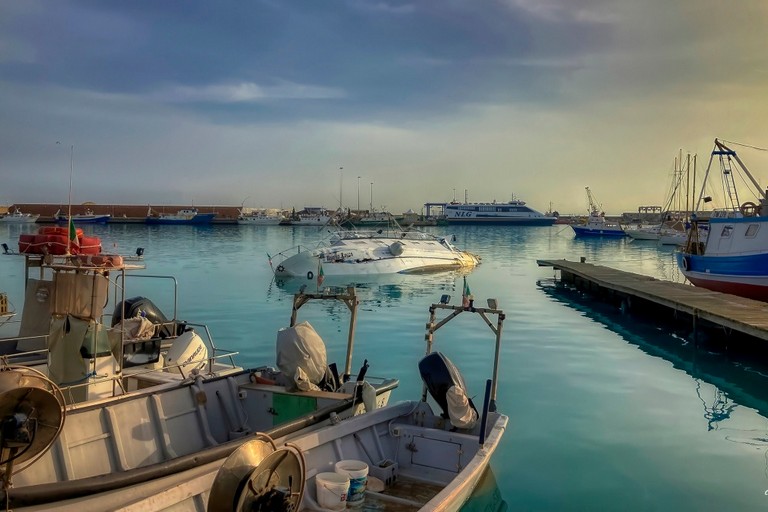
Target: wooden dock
<point>728,311</point>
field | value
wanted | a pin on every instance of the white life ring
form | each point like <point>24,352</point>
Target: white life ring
<point>686,263</point>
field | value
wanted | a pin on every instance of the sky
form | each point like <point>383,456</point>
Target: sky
<point>280,103</point>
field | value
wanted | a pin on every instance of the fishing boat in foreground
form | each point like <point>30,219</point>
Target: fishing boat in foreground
<point>596,225</point>
<point>17,217</point>
<point>385,251</point>
<point>514,212</point>
<point>423,455</point>
<point>184,216</point>
<point>100,403</point>
<point>730,256</point>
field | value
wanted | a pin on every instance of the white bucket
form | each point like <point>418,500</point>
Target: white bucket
<point>357,471</point>
<point>332,490</point>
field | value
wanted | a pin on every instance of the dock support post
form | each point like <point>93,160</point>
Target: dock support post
<point>695,328</point>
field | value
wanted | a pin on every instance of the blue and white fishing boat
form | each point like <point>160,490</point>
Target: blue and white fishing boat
<point>732,255</point>
<point>184,216</point>
<point>513,212</point>
<point>84,218</point>
<point>596,224</point>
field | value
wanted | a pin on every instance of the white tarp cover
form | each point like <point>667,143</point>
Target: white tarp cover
<point>461,414</point>
<point>301,355</point>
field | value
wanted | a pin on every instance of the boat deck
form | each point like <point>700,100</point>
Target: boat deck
<point>405,495</point>
<point>729,311</point>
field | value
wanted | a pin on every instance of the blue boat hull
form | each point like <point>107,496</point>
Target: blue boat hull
<point>744,275</point>
<point>582,231</point>
<point>97,219</point>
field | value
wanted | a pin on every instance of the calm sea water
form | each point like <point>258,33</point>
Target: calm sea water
<point>607,411</point>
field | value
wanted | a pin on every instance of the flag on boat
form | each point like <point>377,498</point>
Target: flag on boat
<point>73,234</point>
<point>320,273</point>
<point>466,294</point>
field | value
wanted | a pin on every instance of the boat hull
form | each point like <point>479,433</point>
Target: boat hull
<point>321,447</point>
<point>85,219</point>
<point>260,221</point>
<point>503,221</point>
<point>745,275</point>
<point>200,218</point>
<point>583,231</point>
<point>366,257</point>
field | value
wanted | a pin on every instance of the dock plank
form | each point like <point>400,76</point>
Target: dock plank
<point>730,311</point>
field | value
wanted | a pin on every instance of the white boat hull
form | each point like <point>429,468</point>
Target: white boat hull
<point>373,256</point>
<point>426,450</point>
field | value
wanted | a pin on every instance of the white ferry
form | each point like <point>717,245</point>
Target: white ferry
<point>513,212</point>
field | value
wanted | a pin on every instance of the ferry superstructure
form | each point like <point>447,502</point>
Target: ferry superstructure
<point>514,212</point>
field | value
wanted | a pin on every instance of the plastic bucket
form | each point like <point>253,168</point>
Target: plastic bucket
<point>332,490</point>
<point>357,471</point>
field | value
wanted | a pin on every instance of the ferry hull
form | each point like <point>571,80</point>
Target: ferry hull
<point>485,221</point>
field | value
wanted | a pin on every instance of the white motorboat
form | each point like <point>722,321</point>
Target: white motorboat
<point>643,231</point>
<point>310,216</point>
<point>349,253</point>
<point>17,217</point>
<point>259,218</point>
<point>422,455</point>
<point>120,400</point>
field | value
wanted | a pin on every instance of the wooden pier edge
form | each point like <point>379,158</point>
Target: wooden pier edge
<point>729,311</point>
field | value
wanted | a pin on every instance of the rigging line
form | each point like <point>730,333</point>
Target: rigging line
<point>744,145</point>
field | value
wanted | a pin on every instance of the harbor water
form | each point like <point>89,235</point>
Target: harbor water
<point>608,410</point>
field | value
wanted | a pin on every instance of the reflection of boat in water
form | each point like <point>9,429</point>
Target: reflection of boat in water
<point>382,289</point>
<point>386,251</point>
<point>737,379</point>
<point>487,496</point>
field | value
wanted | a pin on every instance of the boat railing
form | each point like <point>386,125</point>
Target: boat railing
<point>726,213</point>
<point>216,353</point>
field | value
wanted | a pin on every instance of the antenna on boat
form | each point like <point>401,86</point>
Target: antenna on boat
<point>70,226</point>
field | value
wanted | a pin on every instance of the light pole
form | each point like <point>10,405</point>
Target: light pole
<point>371,198</point>
<point>341,179</point>
<point>358,194</point>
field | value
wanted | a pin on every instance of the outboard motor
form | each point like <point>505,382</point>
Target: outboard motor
<point>142,306</point>
<point>446,386</point>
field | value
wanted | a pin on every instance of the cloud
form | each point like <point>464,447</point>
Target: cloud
<point>246,92</point>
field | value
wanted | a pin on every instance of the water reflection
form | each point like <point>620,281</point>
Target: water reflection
<point>724,381</point>
<point>380,291</point>
<point>487,496</point>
